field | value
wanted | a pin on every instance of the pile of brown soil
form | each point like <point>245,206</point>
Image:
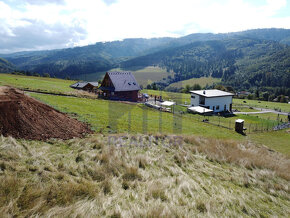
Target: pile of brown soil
<point>24,117</point>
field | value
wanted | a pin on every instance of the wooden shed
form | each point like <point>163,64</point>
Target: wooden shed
<point>87,86</point>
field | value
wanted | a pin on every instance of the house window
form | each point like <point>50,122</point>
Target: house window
<point>217,107</point>
<point>192,96</point>
<point>201,100</point>
<point>213,107</point>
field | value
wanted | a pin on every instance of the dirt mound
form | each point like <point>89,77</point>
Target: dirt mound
<point>24,117</point>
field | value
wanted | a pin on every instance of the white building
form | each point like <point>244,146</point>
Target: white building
<point>213,99</point>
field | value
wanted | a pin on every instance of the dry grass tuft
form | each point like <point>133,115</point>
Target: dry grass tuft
<point>157,191</point>
<point>131,174</point>
<point>10,187</point>
<point>246,155</point>
<point>142,162</point>
<point>106,186</point>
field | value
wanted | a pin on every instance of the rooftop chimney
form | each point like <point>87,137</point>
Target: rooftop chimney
<point>204,92</point>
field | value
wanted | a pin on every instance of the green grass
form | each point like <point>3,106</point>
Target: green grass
<point>113,117</point>
<point>101,114</point>
<point>263,104</point>
<point>243,108</point>
<point>202,81</point>
<point>277,140</point>
<point>180,98</point>
<point>149,75</point>
<point>37,83</point>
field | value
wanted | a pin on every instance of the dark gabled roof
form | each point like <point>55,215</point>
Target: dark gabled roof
<point>83,84</point>
<point>94,83</point>
<point>123,81</point>
<point>79,84</point>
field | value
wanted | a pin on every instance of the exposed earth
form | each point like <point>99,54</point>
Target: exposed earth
<point>24,117</point>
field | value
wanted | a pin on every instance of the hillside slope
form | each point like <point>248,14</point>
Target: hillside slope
<point>5,66</point>
<point>239,61</point>
<point>101,57</point>
<point>141,176</point>
<point>84,60</point>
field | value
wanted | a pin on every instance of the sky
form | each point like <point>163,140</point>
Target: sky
<point>51,24</point>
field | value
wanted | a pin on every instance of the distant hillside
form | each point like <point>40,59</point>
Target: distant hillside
<point>5,66</point>
<point>239,61</point>
<point>228,56</point>
<point>84,60</point>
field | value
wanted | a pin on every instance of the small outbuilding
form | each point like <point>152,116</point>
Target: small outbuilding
<point>87,86</point>
<point>239,126</point>
<point>169,106</point>
<point>120,86</point>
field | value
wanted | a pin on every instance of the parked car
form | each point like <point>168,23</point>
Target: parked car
<point>145,95</point>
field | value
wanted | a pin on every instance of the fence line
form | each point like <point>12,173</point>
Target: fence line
<point>250,127</point>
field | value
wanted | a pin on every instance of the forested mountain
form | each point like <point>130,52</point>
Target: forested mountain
<point>5,66</point>
<point>239,61</point>
<point>84,60</point>
<point>242,59</point>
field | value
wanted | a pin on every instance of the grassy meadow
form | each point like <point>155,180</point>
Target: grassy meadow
<point>37,83</point>
<point>148,75</point>
<point>116,117</point>
<point>263,104</point>
<point>202,81</point>
<point>179,98</point>
<point>111,117</point>
<point>142,176</point>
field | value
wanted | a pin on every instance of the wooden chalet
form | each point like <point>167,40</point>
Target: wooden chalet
<point>120,86</point>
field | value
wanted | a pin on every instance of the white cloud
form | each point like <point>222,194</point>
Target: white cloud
<point>85,22</point>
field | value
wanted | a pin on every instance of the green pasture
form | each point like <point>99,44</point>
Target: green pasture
<point>110,116</point>
<point>148,75</point>
<point>243,108</point>
<point>202,81</point>
<point>115,117</point>
<point>262,104</point>
<point>179,98</point>
<point>277,140</point>
<point>37,83</point>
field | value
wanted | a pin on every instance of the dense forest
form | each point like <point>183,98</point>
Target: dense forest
<point>254,58</point>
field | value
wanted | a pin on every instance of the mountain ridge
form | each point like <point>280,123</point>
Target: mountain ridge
<point>102,57</point>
